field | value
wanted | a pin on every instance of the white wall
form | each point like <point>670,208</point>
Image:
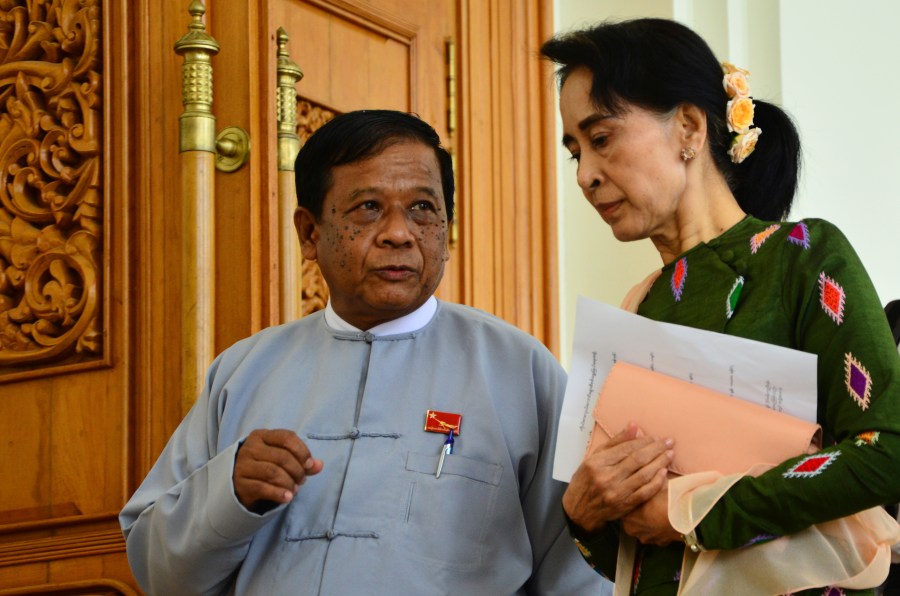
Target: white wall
<point>832,65</point>
<point>840,84</point>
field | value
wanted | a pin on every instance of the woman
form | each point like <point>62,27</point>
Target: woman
<point>670,146</point>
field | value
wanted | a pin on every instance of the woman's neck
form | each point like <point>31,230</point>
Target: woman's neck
<point>706,210</point>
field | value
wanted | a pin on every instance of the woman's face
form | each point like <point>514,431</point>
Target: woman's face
<point>629,165</point>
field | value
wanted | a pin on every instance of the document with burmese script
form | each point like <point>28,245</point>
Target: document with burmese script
<point>779,378</point>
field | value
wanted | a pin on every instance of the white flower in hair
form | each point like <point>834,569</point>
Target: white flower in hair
<point>744,144</point>
<point>739,112</point>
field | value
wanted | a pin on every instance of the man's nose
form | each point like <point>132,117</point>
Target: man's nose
<point>396,229</point>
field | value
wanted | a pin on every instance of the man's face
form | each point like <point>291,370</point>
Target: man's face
<point>381,241</point>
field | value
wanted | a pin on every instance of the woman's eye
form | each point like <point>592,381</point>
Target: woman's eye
<point>575,157</point>
<point>599,141</point>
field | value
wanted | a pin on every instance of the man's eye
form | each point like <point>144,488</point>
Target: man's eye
<point>423,206</point>
<point>369,205</point>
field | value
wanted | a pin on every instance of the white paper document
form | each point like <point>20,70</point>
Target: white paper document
<point>779,378</point>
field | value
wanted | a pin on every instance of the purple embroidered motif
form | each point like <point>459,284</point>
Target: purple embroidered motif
<point>678,278</point>
<point>858,381</point>
<point>831,297</point>
<point>833,591</point>
<point>799,235</point>
<point>760,538</point>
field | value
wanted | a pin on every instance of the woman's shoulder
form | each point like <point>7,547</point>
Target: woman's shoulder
<point>807,233</point>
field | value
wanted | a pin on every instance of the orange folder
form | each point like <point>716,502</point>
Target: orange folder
<point>712,431</point>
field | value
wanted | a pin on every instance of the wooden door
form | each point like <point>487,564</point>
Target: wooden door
<point>66,356</point>
<point>91,224</point>
<point>392,54</point>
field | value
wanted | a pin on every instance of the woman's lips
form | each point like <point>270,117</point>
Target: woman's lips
<point>607,209</point>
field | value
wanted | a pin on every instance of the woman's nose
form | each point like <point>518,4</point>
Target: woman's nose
<point>588,176</point>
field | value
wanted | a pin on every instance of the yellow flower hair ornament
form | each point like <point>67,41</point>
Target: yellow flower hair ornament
<point>739,112</point>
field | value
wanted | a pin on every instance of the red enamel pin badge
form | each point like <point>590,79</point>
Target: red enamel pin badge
<point>442,422</point>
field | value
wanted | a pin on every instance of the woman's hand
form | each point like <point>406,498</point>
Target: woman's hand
<point>649,523</point>
<point>614,480</point>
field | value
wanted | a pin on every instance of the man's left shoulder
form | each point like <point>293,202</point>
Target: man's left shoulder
<point>471,321</point>
<point>469,316</point>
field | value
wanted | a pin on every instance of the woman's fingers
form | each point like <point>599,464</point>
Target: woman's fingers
<point>614,480</point>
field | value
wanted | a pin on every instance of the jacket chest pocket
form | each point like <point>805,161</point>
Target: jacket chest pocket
<point>447,518</point>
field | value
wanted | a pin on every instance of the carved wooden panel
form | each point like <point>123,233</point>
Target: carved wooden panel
<point>310,117</point>
<point>82,588</point>
<point>51,196</point>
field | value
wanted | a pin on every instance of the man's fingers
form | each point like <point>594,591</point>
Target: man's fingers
<point>270,473</point>
<point>251,491</point>
<point>271,465</point>
<point>289,441</point>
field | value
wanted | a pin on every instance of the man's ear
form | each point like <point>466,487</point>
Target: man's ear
<point>691,121</point>
<point>307,232</point>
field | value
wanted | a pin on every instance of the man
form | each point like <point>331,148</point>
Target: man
<point>319,458</point>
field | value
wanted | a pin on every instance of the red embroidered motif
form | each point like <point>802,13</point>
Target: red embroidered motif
<point>831,297</point>
<point>678,278</point>
<point>758,239</point>
<point>858,381</point>
<point>811,465</point>
<point>799,235</point>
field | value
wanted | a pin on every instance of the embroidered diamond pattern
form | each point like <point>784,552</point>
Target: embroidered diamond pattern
<point>760,538</point>
<point>799,235</point>
<point>758,239</point>
<point>733,296</point>
<point>870,437</point>
<point>833,591</point>
<point>831,297</point>
<point>811,465</point>
<point>584,550</point>
<point>858,380</point>
<point>678,278</point>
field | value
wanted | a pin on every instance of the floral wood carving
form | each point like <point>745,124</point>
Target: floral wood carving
<point>314,296</point>
<point>51,196</point>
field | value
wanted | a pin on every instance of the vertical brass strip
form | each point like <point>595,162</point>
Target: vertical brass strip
<point>198,160</point>
<point>198,125</point>
<point>288,146</point>
<point>451,86</point>
<point>450,46</point>
<point>286,105</point>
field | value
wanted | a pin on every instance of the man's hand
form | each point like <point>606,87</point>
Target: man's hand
<point>270,467</point>
<point>649,523</point>
<point>614,480</point>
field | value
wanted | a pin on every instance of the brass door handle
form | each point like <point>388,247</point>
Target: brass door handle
<point>198,124</point>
